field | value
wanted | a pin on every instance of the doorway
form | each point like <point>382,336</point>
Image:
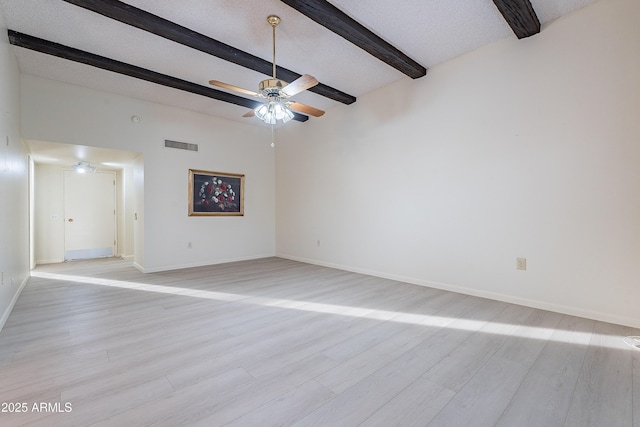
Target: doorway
<point>89,215</point>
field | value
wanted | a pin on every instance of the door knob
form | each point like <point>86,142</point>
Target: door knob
<point>70,220</point>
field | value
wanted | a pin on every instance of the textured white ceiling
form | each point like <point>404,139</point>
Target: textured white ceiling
<point>430,31</point>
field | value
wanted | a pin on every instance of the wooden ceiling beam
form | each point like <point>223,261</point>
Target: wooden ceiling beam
<point>520,16</point>
<point>329,16</point>
<point>144,20</point>
<point>61,51</point>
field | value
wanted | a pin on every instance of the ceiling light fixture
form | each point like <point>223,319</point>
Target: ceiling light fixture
<point>82,167</point>
<point>274,110</point>
<point>277,107</point>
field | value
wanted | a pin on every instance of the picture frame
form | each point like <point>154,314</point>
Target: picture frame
<point>215,193</point>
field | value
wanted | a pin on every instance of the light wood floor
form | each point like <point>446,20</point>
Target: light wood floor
<point>277,342</point>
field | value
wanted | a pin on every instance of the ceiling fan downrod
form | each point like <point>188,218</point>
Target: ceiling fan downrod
<point>274,21</point>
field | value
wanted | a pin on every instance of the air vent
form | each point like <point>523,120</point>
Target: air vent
<point>180,145</point>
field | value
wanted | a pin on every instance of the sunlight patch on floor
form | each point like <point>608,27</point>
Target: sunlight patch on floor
<point>578,338</point>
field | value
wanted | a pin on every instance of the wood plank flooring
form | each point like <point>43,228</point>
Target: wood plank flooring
<point>274,342</point>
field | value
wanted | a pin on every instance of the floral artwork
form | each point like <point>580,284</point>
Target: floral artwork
<point>215,193</point>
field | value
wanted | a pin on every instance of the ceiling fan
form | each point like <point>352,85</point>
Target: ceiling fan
<point>275,91</point>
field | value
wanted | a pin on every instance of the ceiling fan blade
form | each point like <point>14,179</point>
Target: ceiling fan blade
<point>232,87</point>
<point>302,108</point>
<point>249,113</point>
<point>298,85</point>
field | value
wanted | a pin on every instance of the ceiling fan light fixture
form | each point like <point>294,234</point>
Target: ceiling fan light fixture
<point>82,167</point>
<point>274,111</point>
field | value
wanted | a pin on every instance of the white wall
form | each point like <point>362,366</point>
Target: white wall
<point>58,112</point>
<point>126,200</point>
<point>14,184</point>
<point>138,212</point>
<point>525,148</point>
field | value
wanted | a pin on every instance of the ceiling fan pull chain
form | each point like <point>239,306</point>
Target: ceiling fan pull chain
<point>273,137</point>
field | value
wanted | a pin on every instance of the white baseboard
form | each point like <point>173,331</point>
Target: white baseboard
<point>49,261</point>
<point>542,305</point>
<point>129,258</point>
<point>7,312</point>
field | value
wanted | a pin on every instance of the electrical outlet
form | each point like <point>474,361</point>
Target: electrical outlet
<point>189,245</point>
<point>521,263</point>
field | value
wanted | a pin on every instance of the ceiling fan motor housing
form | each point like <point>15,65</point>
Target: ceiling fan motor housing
<point>272,87</point>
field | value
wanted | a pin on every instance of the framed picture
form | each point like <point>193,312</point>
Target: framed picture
<point>215,193</point>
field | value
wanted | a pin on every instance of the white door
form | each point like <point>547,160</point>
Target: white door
<point>90,215</point>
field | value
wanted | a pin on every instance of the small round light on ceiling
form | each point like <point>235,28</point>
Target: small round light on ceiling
<point>135,119</point>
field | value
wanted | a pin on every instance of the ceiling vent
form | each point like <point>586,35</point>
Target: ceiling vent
<point>180,145</point>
